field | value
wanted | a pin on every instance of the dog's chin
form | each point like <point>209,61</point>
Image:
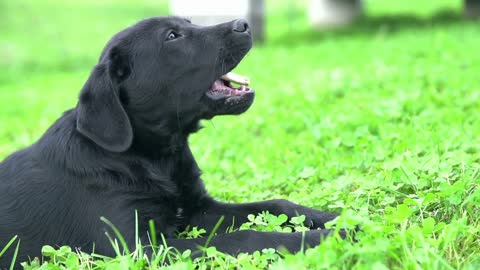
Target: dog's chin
<point>223,98</point>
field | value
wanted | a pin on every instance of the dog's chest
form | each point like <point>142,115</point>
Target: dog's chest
<point>170,177</point>
<point>175,183</point>
<point>166,190</point>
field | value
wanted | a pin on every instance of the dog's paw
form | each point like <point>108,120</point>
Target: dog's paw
<point>318,219</point>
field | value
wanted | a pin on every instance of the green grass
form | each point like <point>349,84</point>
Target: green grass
<point>379,121</point>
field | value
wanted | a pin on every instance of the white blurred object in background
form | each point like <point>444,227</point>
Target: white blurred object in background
<point>331,13</point>
<point>210,12</point>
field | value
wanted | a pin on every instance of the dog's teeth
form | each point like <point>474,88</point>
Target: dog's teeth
<point>232,77</point>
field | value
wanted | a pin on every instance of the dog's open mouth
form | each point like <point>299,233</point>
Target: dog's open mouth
<point>223,87</point>
<point>229,94</point>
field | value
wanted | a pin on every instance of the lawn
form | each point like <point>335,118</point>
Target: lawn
<point>378,121</point>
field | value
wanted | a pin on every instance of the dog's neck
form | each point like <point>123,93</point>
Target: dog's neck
<point>167,140</point>
<point>71,148</point>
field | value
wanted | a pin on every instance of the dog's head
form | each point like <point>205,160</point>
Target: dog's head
<point>162,74</point>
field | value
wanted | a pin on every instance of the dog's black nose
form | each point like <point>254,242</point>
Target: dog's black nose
<point>241,26</point>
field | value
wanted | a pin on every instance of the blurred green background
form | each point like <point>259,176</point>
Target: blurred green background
<point>54,35</point>
<point>380,117</point>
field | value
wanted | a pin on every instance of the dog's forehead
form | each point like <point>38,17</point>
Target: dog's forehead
<point>164,22</point>
<point>145,27</point>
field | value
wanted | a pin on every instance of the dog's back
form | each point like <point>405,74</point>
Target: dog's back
<point>18,214</point>
<point>39,199</point>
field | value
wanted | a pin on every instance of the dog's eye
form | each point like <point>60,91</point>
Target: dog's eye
<point>172,35</point>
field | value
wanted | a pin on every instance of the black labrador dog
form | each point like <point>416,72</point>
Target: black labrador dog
<point>124,148</point>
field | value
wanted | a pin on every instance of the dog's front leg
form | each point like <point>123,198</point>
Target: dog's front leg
<point>248,241</point>
<point>236,214</point>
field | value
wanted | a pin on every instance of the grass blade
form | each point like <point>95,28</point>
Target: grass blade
<point>153,232</point>
<point>138,241</point>
<point>118,234</point>
<point>8,245</point>
<point>12,265</point>
<point>214,230</point>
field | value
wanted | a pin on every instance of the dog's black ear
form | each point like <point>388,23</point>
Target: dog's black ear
<point>100,114</point>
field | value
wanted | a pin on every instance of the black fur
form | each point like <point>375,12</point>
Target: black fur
<point>124,148</point>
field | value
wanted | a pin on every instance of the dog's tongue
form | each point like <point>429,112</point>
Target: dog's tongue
<point>235,78</point>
